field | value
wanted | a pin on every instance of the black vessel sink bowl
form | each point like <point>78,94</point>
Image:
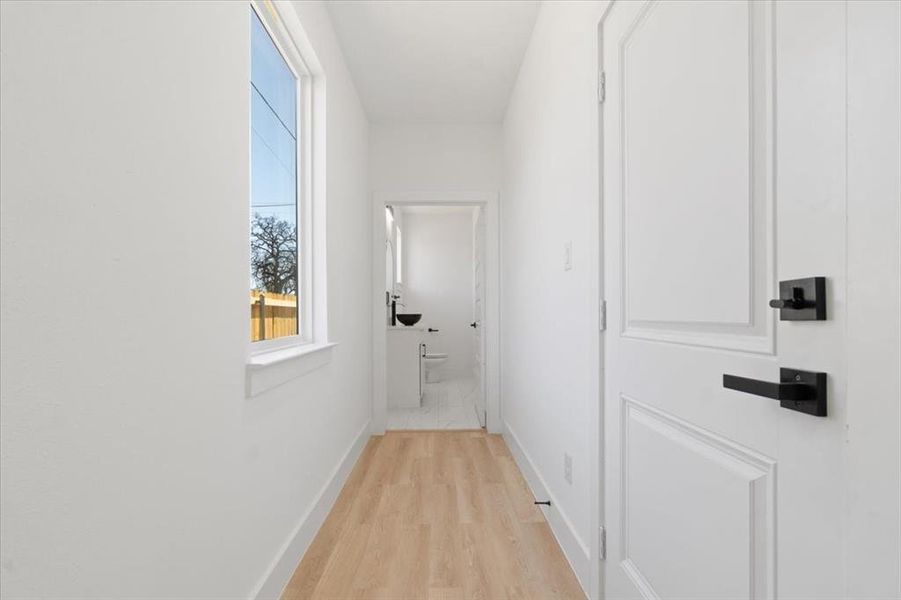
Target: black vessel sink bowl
<point>409,319</point>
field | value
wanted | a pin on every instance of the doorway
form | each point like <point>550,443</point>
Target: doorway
<point>432,297</point>
<point>435,267</point>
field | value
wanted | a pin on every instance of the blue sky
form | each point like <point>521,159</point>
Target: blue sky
<point>274,128</point>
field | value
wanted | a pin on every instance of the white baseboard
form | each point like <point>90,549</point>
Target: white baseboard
<point>279,573</point>
<point>576,551</point>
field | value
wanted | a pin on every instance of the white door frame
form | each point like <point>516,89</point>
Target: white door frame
<point>488,200</point>
<point>596,585</point>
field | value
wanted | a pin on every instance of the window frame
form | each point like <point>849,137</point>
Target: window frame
<point>286,47</point>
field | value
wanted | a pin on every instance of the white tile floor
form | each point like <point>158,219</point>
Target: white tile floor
<point>448,404</point>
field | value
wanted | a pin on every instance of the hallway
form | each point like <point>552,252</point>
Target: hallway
<point>317,299</point>
<point>436,515</point>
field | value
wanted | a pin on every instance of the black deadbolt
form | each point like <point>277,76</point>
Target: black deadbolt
<point>801,299</point>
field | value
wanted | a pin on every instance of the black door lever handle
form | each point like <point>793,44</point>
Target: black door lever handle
<point>769,389</point>
<point>804,391</point>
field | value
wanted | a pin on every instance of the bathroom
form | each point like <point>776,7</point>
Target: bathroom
<point>434,285</point>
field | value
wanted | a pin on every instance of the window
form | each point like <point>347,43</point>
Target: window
<point>276,289</point>
<point>400,253</point>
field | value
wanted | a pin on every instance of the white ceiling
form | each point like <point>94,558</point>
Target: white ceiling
<point>434,61</point>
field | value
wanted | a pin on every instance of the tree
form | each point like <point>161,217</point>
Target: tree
<point>273,255</point>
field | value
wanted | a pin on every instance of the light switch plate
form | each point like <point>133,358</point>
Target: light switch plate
<point>567,256</point>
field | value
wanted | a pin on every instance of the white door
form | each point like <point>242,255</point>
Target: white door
<point>478,310</point>
<point>723,173</point>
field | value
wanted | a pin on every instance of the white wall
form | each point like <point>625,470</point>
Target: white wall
<point>549,349</point>
<point>437,249</point>
<point>132,463</point>
<point>435,158</point>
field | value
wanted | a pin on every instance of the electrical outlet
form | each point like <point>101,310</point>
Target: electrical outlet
<point>568,468</point>
<point>567,256</point>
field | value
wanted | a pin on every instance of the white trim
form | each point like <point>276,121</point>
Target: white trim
<point>597,437</point>
<point>269,370</point>
<point>283,566</point>
<point>265,347</point>
<point>440,198</point>
<point>265,359</point>
<point>489,200</point>
<point>577,552</point>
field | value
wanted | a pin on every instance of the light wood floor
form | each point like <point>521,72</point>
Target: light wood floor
<point>437,515</point>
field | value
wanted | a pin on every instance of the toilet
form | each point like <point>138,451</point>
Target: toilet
<point>432,361</point>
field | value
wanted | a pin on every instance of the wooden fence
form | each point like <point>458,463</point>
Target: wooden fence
<point>272,315</point>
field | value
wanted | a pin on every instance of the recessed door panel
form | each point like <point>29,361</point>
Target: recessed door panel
<point>705,497</point>
<point>694,127</point>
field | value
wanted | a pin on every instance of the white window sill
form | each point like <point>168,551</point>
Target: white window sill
<point>267,370</point>
<point>272,357</point>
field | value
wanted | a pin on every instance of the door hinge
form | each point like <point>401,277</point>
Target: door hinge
<point>602,544</point>
<point>602,322</point>
<point>602,86</point>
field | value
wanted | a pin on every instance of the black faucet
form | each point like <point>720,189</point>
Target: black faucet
<point>394,303</point>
